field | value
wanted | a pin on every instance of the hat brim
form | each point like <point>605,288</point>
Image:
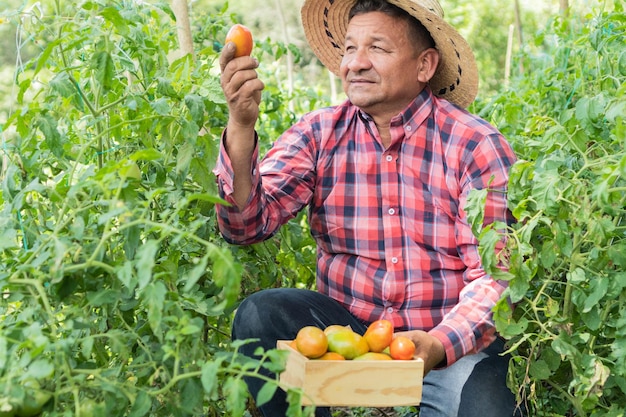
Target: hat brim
<point>325,24</point>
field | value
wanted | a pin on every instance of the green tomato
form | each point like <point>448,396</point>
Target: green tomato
<point>90,408</point>
<point>33,402</point>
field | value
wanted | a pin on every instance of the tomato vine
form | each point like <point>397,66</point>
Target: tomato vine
<point>567,268</point>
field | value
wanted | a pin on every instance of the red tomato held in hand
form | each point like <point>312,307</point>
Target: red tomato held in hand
<point>242,38</point>
<point>402,348</point>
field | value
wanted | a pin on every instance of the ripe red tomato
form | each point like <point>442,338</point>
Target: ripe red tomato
<point>402,348</point>
<point>242,38</point>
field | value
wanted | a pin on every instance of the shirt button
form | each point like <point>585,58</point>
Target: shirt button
<point>394,260</point>
<point>389,158</point>
<point>391,211</point>
<point>389,310</point>
<point>409,128</point>
<point>254,171</point>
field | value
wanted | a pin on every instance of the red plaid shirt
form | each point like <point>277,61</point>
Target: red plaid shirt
<point>392,237</point>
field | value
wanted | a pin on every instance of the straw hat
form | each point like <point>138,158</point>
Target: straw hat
<point>325,24</point>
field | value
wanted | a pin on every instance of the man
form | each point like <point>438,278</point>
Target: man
<point>385,177</point>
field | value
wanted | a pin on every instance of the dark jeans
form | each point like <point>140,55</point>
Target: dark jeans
<point>475,386</point>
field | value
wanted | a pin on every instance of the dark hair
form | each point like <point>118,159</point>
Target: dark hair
<point>418,31</point>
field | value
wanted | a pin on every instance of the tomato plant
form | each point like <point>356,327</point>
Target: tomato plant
<point>116,290</point>
<point>566,254</point>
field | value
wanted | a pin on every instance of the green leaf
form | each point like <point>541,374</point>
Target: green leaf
<point>507,326</point>
<point>562,346</point>
<point>210,377</point>
<point>519,286</point>
<point>145,262</point>
<point>577,276</point>
<point>146,155</point>
<point>165,88</point>
<point>154,297</point>
<point>44,58</point>
<point>236,392</point>
<point>132,237</point>
<point>102,297</point>
<point>548,254</point>
<point>266,393</point>
<point>40,369</point>
<point>590,110</point>
<point>618,348</point>
<point>104,67</point>
<point>616,109</point>
<point>192,393</point>
<point>49,127</point>
<point>206,197</point>
<point>592,318</point>
<point>599,287</point>
<point>539,370</point>
<point>8,239</point>
<point>62,85</point>
<point>125,275</point>
<point>617,254</point>
<point>475,209</point>
<point>226,273</point>
<point>546,186</point>
<point>191,277</point>
<point>112,15</point>
<point>212,90</point>
<point>87,346</point>
<point>551,358</point>
<point>277,358</point>
<point>161,106</point>
<point>141,405</point>
<point>185,154</point>
<point>195,104</point>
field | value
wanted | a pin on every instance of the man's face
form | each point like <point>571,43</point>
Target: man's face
<point>379,66</point>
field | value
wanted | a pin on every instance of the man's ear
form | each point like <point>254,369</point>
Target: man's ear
<point>427,64</point>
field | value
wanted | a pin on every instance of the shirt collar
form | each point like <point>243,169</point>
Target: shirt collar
<point>416,112</point>
<point>413,115</point>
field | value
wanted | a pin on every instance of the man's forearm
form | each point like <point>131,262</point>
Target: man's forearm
<point>239,144</point>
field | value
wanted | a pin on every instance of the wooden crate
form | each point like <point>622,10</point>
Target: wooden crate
<point>353,383</point>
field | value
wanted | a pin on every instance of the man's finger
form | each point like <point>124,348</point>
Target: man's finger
<point>228,53</point>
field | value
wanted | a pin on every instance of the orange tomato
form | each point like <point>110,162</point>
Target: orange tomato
<point>311,342</point>
<point>242,38</point>
<point>402,348</point>
<point>331,356</point>
<point>379,335</point>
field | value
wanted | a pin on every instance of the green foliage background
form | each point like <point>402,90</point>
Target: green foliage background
<point>116,290</point>
<point>567,253</point>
